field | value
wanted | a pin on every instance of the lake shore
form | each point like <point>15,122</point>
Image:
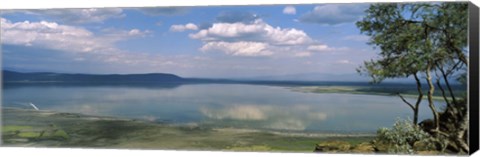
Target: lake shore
<point>24,127</point>
<point>356,90</point>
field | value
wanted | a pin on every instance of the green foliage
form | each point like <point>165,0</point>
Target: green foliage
<point>411,36</point>
<point>14,128</point>
<point>402,138</point>
<point>29,134</point>
<point>60,134</point>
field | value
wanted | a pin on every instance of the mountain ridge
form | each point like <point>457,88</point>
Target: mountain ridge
<point>13,76</point>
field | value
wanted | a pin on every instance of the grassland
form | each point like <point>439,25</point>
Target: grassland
<point>52,129</point>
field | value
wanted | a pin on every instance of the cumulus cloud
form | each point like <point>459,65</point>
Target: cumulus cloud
<point>237,16</point>
<point>77,16</point>
<point>241,48</point>
<point>333,14</point>
<point>181,28</point>
<point>65,38</point>
<point>257,39</point>
<point>51,35</point>
<point>258,31</point>
<point>62,37</point>
<point>289,10</point>
<point>75,46</point>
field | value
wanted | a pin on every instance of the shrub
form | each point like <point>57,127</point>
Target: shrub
<point>403,138</point>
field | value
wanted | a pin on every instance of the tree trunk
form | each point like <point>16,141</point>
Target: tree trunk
<point>439,85</point>
<point>462,128</point>
<point>417,103</point>
<point>419,99</point>
<point>447,83</point>
<point>430,98</point>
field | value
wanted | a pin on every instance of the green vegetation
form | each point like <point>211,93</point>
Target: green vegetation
<point>61,134</point>
<point>426,42</point>
<point>13,128</point>
<point>25,127</point>
<point>17,133</point>
<point>404,138</point>
<point>29,134</point>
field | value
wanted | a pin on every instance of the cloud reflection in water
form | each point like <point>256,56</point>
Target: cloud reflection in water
<point>295,118</point>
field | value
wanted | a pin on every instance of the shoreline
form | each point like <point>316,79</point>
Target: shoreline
<point>350,90</point>
<point>228,129</point>
<point>44,128</point>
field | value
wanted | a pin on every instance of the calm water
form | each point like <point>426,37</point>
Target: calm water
<point>221,105</point>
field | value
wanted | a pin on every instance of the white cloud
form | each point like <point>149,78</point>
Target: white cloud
<point>258,31</point>
<point>81,43</point>
<point>66,38</point>
<point>181,28</point>
<point>258,39</point>
<point>289,10</point>
<point>241,48</point>
<point>249,39</point>
<point>50,35</point>
<point>94,15</point>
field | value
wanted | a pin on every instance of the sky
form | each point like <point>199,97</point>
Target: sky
<point>202,41</point>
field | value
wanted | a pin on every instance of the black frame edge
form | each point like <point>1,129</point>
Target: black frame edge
<point>473,78</point>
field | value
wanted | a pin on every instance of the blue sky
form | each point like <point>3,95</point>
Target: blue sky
<point>214,41</point>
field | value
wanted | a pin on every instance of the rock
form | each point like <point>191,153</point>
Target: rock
<point>381,147</point>
<point>332,146</point>
<point>422,146</point>
<point>429,152</point>
<point>363,148</point>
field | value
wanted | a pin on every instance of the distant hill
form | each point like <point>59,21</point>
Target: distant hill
<point>164,78</point>
<point>349,77</point>
<point>159,78</point>
<point>12,76</point>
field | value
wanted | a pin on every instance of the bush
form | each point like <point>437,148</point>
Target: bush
<point>403,138</point>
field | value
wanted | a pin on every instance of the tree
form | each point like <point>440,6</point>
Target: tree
<point>398,40</point>
<point>421,39</point>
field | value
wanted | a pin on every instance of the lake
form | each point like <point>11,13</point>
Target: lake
<point>220,105</point>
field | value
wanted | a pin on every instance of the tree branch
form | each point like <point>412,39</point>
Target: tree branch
<point>404,100</point>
